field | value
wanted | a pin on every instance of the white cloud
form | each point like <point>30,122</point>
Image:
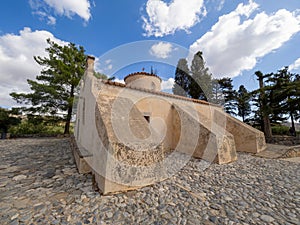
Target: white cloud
<point>97,65</point>
<point>103,66</point>
<point>108,61</point>
<point>167,84</point>
<point>246,10</point>
<point>233,45</point>
<point>109,67</point>
<point>17,63</point>
<point>163,19</point>
<point>51,20</point>
<point>62,7</point>
<point>295,65</point>
<point>214,5</point>
<point>70,7</point>
<point>161,50</point>
<point>119,80</point>
<point>44,16</point>
<point>220,6</point>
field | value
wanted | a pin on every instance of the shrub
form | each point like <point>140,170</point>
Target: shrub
<point>26,128</point>
<point>280,130</point>
<point>6,120</point>
<point>30,128</point>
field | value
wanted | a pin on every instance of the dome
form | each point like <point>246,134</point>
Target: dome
<point>143,80</point>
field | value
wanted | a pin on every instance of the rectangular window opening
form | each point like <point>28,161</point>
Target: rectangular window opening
<point>147,118</point>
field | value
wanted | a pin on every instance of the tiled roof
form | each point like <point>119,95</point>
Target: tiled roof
<point>142,73</point>
<point>110,82</point>
<point>113,83</point>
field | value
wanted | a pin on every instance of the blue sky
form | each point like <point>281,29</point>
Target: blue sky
<point>237,37</point>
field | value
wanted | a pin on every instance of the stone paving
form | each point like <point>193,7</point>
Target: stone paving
<point>39,184</point>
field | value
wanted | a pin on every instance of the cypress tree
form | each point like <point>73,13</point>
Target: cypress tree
<point>181,78</point>
<point>200,85</point>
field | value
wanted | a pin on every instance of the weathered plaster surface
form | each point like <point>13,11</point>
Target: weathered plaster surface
<point>130,134</point>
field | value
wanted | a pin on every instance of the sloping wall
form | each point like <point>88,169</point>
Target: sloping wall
<point>134,152</point>
<point>132,137</point>
<point>203,140</point>
<point>247,138</point>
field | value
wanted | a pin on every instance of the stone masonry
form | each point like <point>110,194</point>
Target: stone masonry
<point>127,135</point>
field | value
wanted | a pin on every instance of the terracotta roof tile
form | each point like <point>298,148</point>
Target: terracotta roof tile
<point>110,82</point>
<point>142,73</point>
<point>113,83</point>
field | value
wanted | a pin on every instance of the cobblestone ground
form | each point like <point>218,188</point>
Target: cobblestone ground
<point>39,184</point>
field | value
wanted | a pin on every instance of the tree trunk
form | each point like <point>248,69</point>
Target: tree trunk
<point>267,127</point>
<point>293,124</point>
<point>266,119</point>
<point>69,115</point>
<point>292,118</point>
<point>68,120</point>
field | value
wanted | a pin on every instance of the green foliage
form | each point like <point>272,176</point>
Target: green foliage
<point>102,76</point>
<point>35,119</point>
<point>243,103</point>
<point>200,85</point>
<point>195,82</point>
<point>280,130</point>
<point>277,99</point>
<point>262,102</point>
<point>35,124</point>
<point>217,93</point>
<point>296,97</point>
<point>285,95</point>
<point>7,120</point>
<point>181,84</point>
<point>223,94</point>
<point>45,120</point>
<point>27,127</point>
<point>55,88</point>
<point>4,118</point>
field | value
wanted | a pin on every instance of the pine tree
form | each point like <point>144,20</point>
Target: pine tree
<point>200,85</point>
<point>243,103</point>
<point>217,93</point>
<point>181,78</point>
<point>263,104</point>
<point>229,95</point>
<point>55,87</point>
<point>285,98</point>
<point>274,89</point>
<point>296,102</point>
